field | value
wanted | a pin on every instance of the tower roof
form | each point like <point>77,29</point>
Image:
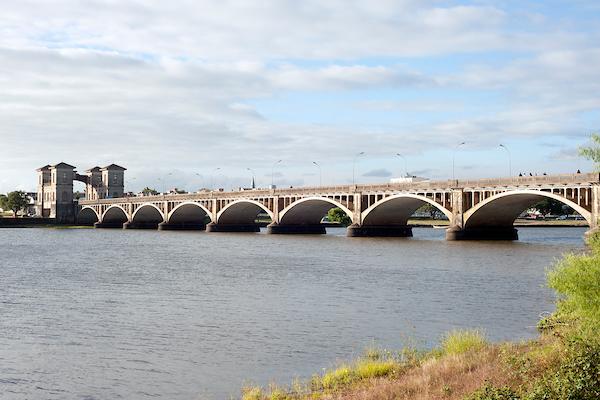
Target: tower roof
<point>44,168</point>
<point>113,167</point>
<point>62,165</point>
<point>94,169</point>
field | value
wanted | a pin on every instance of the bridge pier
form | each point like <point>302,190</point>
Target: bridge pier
<point>318,229</point>
<point>112,225</point>
<point>482,233</point>
<point>356,230</point>
<point>181,226</point>
<point>212,227</point>
<point>140,225</point>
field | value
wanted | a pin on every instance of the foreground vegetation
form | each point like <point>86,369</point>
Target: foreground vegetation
<point>562,363</point>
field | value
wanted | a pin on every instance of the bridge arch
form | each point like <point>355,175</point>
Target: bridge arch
<point>397,209</point>
<point>503,209</point>
<point>87,216</point>
<point>310,211</point>
<point>189,212</point>
<point>147,215</point>
<point>114,214</point>
<point>241,212</point>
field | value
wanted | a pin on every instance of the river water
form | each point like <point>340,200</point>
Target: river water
<point>129,314</point>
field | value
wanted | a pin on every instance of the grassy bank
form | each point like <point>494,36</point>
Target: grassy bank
<point>562,363</point>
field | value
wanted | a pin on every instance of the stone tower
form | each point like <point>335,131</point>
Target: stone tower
<point>55,192</point>
<point>113,180</point>
<point>105,183</point>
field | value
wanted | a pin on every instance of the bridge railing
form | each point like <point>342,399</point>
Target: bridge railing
<point>442,185</point>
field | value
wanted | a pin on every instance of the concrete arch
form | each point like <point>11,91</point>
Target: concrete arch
<point>147,213</point>
<point>114,214</point>
<point>502,210</point>
<point>242,212</point>
<point>397,209</point>
<point>87,216</point>
<point>309,211</point>
<point>188,212</point>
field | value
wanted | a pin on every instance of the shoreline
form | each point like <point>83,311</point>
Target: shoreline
<point>562,362</point>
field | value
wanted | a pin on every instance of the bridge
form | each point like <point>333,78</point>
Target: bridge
<point>476,209</point>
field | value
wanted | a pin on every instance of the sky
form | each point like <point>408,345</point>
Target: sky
<point>192,93</point>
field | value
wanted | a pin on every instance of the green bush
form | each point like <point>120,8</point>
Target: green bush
<point>490,392</point>
<point>577,377</point>
<point>576,278</point>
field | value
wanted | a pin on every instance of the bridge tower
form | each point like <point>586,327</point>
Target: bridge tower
<point>55,192</point>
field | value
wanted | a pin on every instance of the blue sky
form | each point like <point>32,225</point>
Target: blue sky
<point>176,90</point>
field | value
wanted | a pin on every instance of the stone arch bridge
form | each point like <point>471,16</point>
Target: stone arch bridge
<point>476,209</point>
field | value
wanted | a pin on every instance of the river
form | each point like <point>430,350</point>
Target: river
<point>131,314</point>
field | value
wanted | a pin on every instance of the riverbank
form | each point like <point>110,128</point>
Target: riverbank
<point>562,363</point>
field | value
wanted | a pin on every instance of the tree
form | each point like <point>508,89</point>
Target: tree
<point>551,206</point>
<point>338,215</point>
<point>3,202</point>
<point>433,211</point>
<point>14,201</point>
<point>592,152</point>
<point>149,192</point>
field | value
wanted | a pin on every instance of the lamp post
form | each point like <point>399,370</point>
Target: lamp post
<point>320,173</point>
<point>253,177</point>
<point>273,171</point>
<point>212,178</point>
<point>454,159</point>
<point>199,175</point>
<point>354,166</point>
<point>129,182</point>
<point>165,181</point>
<point>159,183</point>
<point>405,164</point>
<point>509,159</point>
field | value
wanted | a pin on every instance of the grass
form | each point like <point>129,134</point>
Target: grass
<point>459,342</point>
<point>562,363</point>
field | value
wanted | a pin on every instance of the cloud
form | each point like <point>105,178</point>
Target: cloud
<point>161,87</point>
<point>238,29</point>
<point>380,173</point>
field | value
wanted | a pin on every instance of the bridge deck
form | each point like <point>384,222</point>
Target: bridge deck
<point>543,181</point>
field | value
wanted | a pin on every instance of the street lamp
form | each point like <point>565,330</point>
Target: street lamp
<point>212,178</point>
<point>129,181</point>
<point>405,164</point>
<point>159,183</point>
<point>454,159</point>
<point>253,177</point>
<point>273,171</point>
<point>509,159</point>
<point>320,174</point>
<point>354,166</point>
<point>165,182</point>
<point>199,175</point>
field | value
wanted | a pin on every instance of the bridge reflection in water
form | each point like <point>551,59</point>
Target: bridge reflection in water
<point>476,209</point>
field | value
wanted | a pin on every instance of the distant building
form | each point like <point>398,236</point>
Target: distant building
<point>409,179</point>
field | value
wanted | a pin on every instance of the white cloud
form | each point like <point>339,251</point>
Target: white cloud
<point>169,85</point>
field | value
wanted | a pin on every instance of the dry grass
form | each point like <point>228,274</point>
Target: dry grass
<point>450,377</point>
<point>438,375</point>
